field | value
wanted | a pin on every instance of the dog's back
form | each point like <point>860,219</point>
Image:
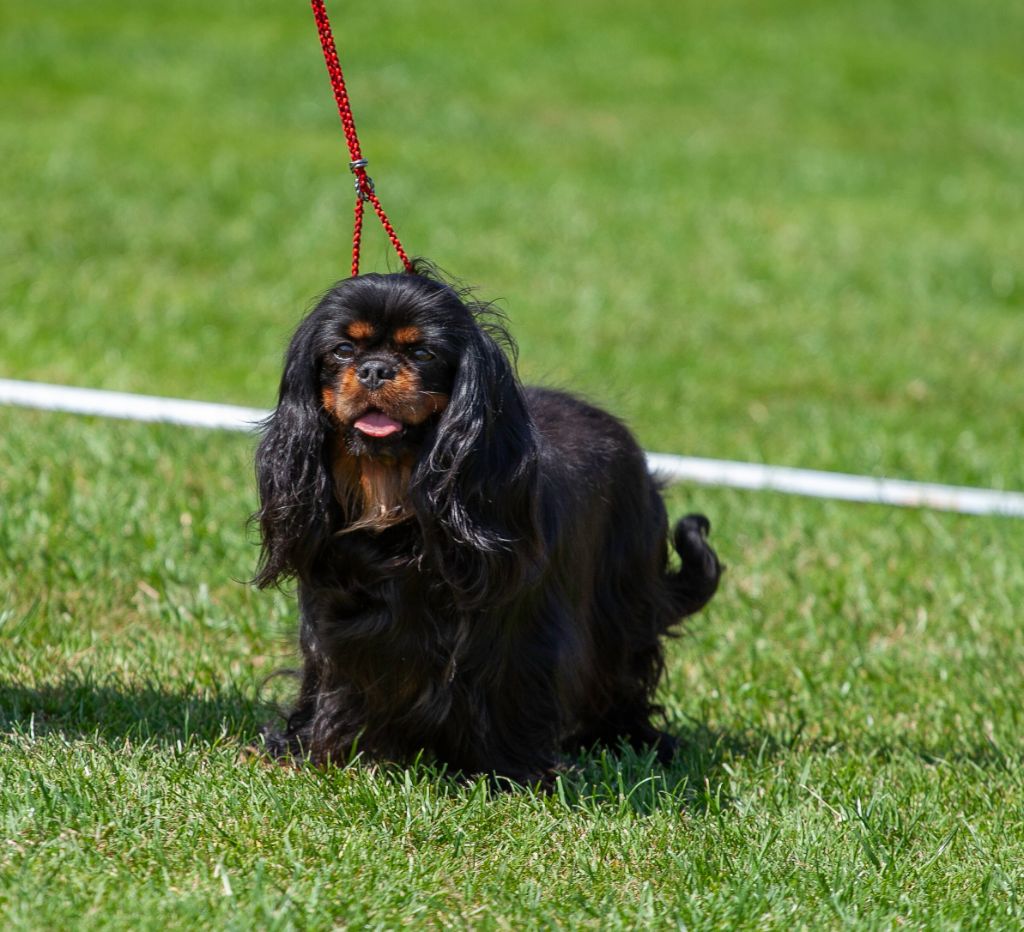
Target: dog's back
<point>607,534</point>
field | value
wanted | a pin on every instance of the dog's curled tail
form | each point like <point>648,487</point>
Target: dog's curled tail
<point>693,585</point>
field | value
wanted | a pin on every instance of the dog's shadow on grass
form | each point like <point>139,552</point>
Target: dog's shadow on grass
<point>114,710</point>
<point>636,781</point>
<point>696,779</point>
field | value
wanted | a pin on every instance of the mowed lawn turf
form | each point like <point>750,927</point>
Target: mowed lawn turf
<point>782,232</point>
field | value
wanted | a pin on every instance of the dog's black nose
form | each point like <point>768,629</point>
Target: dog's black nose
<point>375,372</point>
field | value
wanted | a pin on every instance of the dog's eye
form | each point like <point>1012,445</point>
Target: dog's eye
<point>421,355</point>
<point>344,351</point>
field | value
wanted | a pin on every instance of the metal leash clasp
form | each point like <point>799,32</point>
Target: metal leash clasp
<point>364,184</point>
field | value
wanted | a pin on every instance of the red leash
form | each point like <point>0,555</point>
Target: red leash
<point>357,164</point>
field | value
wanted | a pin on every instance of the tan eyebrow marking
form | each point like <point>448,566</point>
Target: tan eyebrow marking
<point>408,335</point>
<point>361,330</point>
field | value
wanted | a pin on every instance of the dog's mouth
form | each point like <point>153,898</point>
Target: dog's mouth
<point>377,424</point>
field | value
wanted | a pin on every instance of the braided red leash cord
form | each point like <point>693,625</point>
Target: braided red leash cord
<point>357,164</point>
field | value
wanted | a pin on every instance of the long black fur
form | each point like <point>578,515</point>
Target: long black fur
<point>519,610</point>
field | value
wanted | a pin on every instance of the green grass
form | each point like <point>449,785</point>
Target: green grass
<point>775,231</point>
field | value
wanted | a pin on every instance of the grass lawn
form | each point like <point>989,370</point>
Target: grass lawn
<point>784,232</point>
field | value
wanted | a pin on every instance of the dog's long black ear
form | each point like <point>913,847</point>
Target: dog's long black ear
<point>475,490</point>
<point>292,469</point>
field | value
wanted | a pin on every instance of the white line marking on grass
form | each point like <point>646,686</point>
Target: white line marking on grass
<point>128,407</point>
<point>752,476</point>
<point>838,485</point>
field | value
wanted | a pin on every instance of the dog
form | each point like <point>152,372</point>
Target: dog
<point>482,568</point>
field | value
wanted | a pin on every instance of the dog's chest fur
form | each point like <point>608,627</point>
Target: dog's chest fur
<point>395,643</point>
<point>373,493</point>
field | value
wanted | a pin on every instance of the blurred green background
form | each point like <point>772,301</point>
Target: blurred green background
<point>784,231</point>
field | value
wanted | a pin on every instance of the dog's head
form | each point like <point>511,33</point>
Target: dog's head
<point>399,404</point>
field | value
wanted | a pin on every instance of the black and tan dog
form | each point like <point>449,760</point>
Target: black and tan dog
<point>482,568</point>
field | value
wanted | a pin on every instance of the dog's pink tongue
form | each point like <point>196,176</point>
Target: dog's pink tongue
<point>375,424</point>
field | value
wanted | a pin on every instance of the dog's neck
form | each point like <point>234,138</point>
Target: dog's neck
<point>372,491</point>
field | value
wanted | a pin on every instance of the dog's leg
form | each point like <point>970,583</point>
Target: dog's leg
<point>636,602</point>
<point>629,722</point>
<point>515,745</point>
<point>321,725</point>
<point>293,741</point>
<point>508,724</point>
